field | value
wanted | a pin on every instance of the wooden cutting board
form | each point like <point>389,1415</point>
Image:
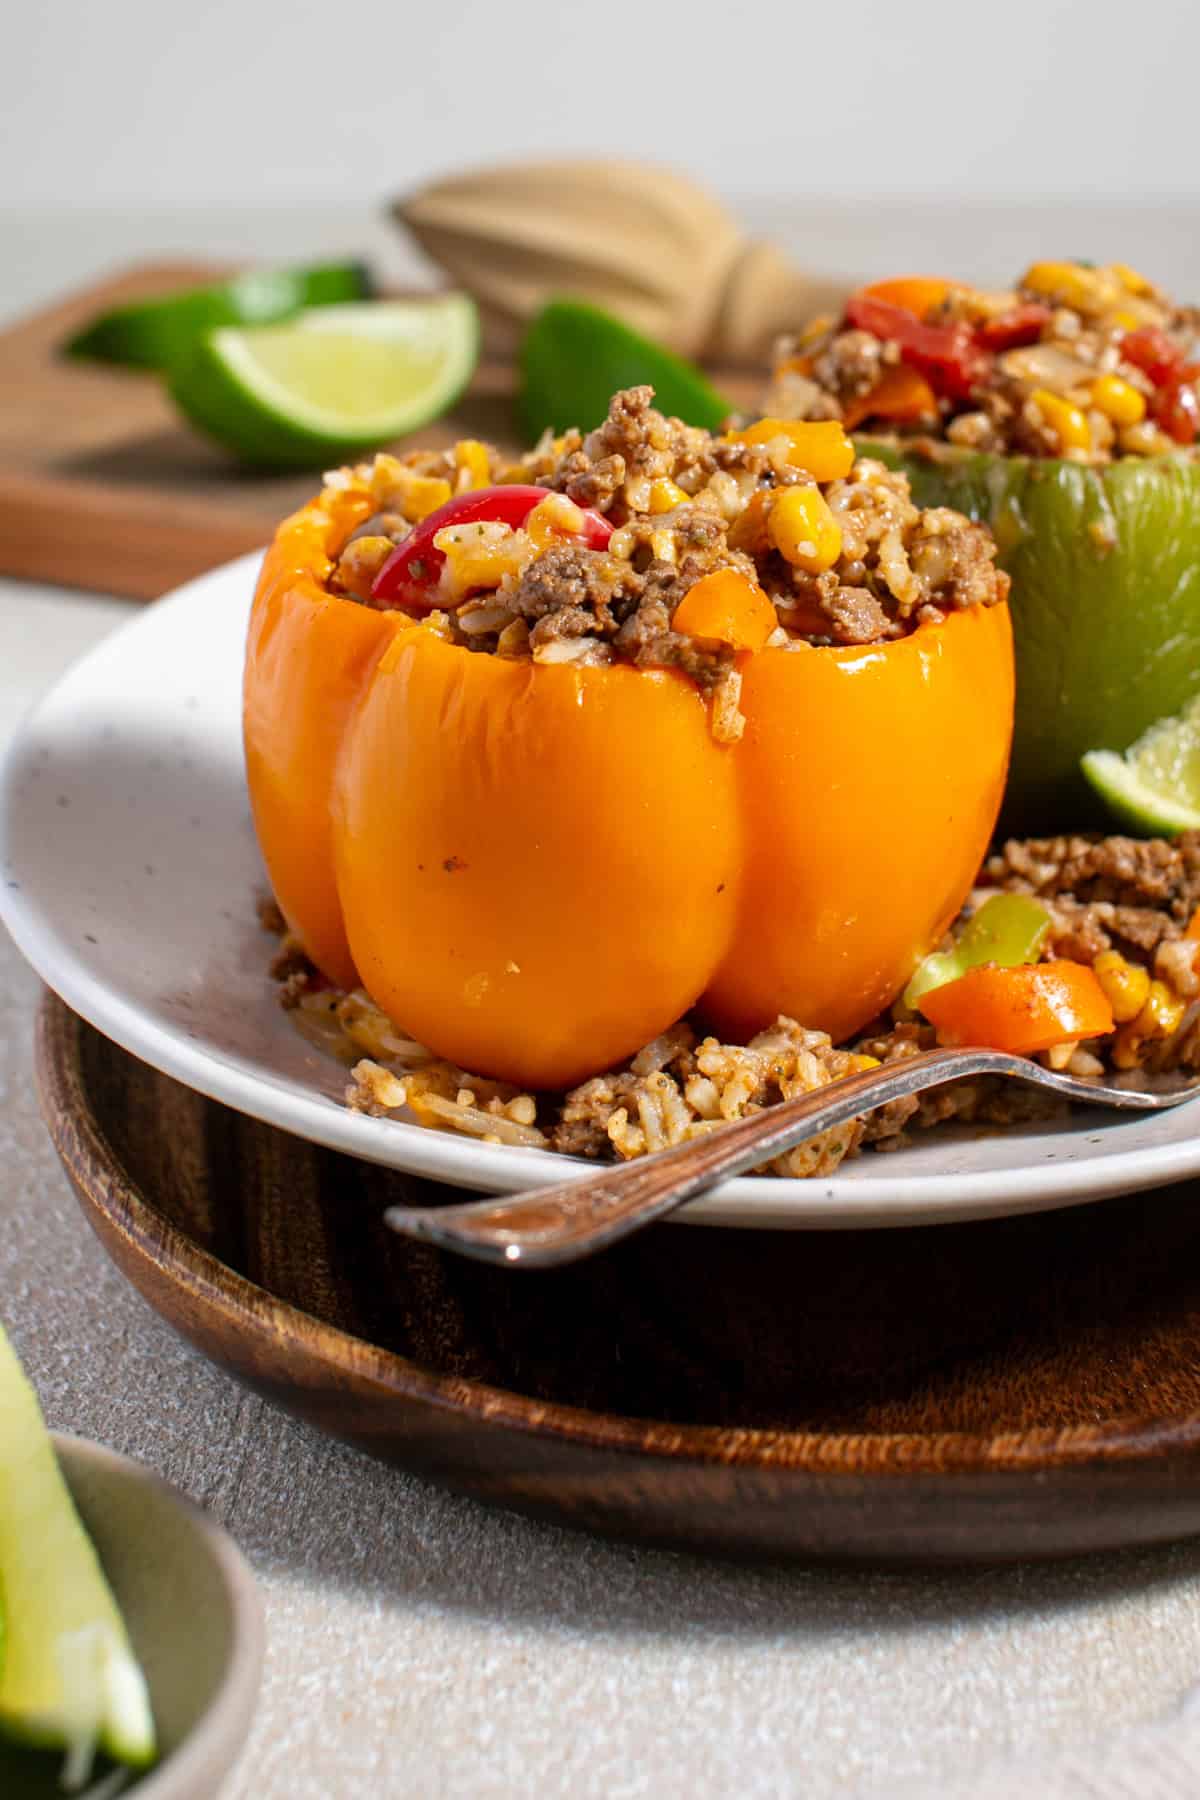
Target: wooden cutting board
<point>103,487</point>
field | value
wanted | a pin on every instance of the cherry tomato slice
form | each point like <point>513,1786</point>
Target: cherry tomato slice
<point>1153,352</point>
<point>409,577</point>
<point>1176,407</point>
<point>946,354</point>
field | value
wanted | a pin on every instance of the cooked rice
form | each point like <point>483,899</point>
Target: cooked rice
<point>683,1084</point>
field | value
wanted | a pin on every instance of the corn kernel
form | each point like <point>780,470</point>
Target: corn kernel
<point>1137,284</point>
<point>1068,284</point>
<point>803,529</point>
<point>553,519</point>
<point>1159,1018</point>
<point>394,486</point>
<point>666,495</point>
<point>859,1063</point>
<point>1067,423</point>
<point>479,555</point>
<point>1118,400</point>
<point>1163,1011</point>
<point>1125,984</point>
<point>422,496</point>
<point>473,464</point>
<point>1145,439</point>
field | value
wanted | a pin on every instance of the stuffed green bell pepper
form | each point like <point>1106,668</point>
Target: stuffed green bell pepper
<point>1064,413</point>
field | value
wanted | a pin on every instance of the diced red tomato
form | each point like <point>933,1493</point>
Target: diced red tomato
<point>1023,325</point>
<point>1153,352</point>
<point>409,577</point>
<point>946,354</point>
<point>1175,406</point>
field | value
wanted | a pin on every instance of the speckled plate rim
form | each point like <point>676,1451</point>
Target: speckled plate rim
<point>155,1251</point>
<point>218,1736</point>
<point>199,629</point>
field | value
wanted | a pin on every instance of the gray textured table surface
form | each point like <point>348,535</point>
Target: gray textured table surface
<point>420,1645</point>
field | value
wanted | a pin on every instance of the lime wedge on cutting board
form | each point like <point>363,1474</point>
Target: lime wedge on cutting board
<point>69,1679</point>
<point>331,382</point>
<point>153,334</point>
<point>574,357</point>
<point>1155,785</point>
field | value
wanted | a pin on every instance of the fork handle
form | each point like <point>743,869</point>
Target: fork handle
<point>545,1226</point>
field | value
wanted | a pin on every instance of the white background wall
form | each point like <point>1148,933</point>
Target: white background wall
<point>128,102</point>
<point>178,115</point>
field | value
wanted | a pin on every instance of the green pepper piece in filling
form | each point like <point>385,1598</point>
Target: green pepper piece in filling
<point>1008,929</point>
<point>1105,566</point>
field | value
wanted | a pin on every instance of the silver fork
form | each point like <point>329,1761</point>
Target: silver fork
<point>585,1213</point>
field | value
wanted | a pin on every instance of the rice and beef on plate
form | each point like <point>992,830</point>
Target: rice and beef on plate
<point>1120,907</point>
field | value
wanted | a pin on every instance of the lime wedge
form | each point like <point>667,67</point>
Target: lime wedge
<point>330,382</point>
<point>1155,786</point>
<point>153,334</point>
<point>69,1679</point>
<point>574,357</point>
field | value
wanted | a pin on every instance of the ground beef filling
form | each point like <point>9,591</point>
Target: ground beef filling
<point>1119,899</point>
<point>1130,894</point>
<point>568,594</point>
<point>679,500</point>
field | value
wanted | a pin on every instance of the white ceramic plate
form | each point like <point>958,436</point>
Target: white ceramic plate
<point>130,870</point>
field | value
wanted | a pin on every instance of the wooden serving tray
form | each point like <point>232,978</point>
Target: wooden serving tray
<point>1020,1387</point>
<point>104,487</point>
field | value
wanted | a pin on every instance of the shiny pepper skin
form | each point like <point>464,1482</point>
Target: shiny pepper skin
<point>535,869</point>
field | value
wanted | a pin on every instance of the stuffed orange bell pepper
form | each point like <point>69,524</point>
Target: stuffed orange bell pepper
<point>1064,411</point>
<point>546,756</point>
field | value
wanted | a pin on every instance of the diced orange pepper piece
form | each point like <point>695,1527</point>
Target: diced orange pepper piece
<point>918,294</point>
<point>1033,1007</point>
<point>819,446</point>
<point>728,606</point>
<point>901,395</point>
